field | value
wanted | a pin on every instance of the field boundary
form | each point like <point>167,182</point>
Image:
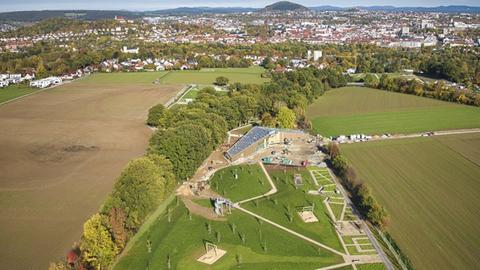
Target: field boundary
<point>38,91</point>
<point>145,226</point>
<point>173,100</point>
<point>392,250</point>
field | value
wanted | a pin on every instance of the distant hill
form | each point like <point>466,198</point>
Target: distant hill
<point>440,9</point>
<point>284,6</point>
<point>32,16</point>
<point>200,10</point>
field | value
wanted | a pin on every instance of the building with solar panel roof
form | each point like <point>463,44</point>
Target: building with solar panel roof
<point>259,138</point>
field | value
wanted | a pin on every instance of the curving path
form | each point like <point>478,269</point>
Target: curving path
<point>348,259</point>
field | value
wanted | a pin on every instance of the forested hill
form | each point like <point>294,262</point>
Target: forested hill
<point>32,16</point>
<point>440,9</point>
<point>284,6</point>
<point>38,15</point>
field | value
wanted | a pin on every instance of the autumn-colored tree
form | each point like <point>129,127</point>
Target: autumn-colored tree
<point>286,118</point>
<point>97,247</point>
<point>333,149</point>
<point>41,70</point>
<point>268,120</point>
<point>117,220</point>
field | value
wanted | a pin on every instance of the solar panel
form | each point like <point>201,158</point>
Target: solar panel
<point>252,136</point>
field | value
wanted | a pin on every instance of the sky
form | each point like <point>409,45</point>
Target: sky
<point>14,5</point>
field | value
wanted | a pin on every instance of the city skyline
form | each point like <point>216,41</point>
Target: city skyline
<point>159,4</point>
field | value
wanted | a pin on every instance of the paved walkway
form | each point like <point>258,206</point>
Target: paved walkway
<point>290,231</point>
<point>381,254</point>
<point>349,259</point>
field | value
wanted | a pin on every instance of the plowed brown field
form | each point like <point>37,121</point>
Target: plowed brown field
<point>60,153</point>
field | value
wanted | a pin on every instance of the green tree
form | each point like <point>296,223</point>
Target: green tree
<point>166,170</point>
<point>371,80</point>
<point>154,115</point>
<point>286,118</point>
<point>221,81</point>
<point>139,190</point>
<point>186,146</point>
<point>340,163</point>
<point>97,247</point>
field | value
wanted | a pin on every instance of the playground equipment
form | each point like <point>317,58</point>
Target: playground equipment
<point>220,205</point>
<point>212,254</point>
<point>267,160</point>
<point>297,180</point>
<point>307,215</point>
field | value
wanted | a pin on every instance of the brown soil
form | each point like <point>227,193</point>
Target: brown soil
<point>202,211</point>
<point>61,151</point>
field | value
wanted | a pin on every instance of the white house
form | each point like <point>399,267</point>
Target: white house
<point>29,76</point>
<point>125,49</point>
<point>46,82</point>
<point>3,84</point>
<point>40,83</point>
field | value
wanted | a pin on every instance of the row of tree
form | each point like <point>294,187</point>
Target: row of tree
<point>142,186</point>
<point>437,90</point>
<point>361,195</point>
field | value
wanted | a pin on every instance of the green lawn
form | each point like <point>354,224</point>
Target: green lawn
<point>208,76</point>
<point>123,78</point>
<point>371,266</point>
<point>182,240</point>
<point>431,189</point>
<point>174,77</point>
<point>14,91</point>
<point>337,210</point>
<point>283,206</point>
<point>251,182</point>
<point>352,110</point>
<point>191,94</point>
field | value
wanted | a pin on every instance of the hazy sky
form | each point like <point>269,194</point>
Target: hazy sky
<point>10,5</point>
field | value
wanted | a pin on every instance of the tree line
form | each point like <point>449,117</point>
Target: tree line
<point>360,193</point>
<point>438,90</point>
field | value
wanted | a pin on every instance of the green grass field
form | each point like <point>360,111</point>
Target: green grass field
<point>182,240</point>
<point>251,182</point>
<point>208,76</point>
<point>203,76</point>
<point>283,206</point>
<point>14,91</point>
<point>431,189</point>
<point>350,110</point>
<point>259,245</point>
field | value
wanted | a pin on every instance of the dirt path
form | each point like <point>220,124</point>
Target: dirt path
<point>202,211</point>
